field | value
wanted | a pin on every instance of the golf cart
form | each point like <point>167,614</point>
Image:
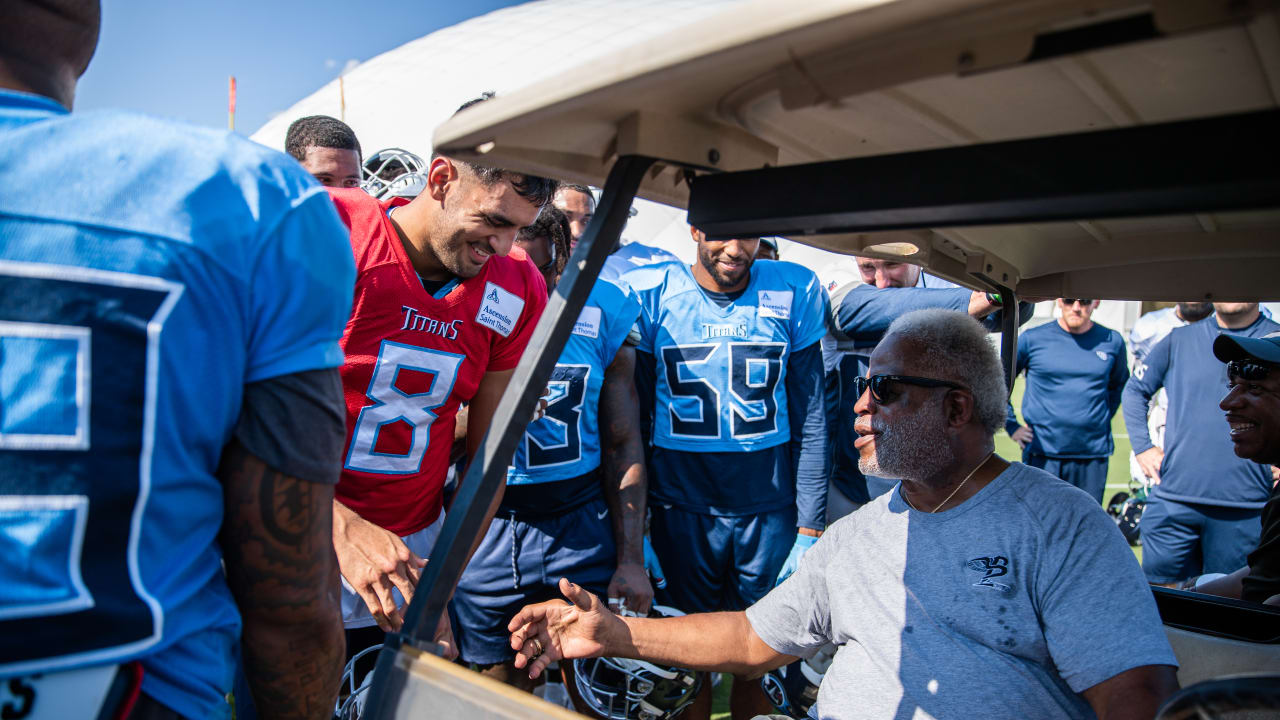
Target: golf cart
<point>1053,148</point>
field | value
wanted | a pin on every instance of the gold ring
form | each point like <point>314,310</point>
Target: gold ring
<point>537,647</point>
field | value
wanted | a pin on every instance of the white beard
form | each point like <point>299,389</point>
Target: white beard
<point>914,449</point>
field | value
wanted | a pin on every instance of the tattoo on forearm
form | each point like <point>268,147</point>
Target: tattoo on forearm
<point>277,540</point>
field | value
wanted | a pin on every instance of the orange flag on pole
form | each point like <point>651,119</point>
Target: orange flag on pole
<point>231,105</point>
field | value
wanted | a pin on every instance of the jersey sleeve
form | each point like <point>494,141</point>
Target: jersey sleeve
<point>647,284</point>
<point>1083,556</point>
<point>863,313</point>
<point>1147,379</point>
<point>806,406</point>
<point>621,309</point>
<point>507,350</point>
<point>809,310</point>
<point>301,286</point>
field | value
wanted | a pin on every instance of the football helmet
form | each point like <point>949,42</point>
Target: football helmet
<point>393,173</point>
<point>623,689</point>
<point>793,689</point>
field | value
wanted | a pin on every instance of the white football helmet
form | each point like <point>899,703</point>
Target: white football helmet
<point>624,689</point>
<point>393,173</point>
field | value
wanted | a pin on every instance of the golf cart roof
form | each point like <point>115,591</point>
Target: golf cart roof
<point>1057,147</point>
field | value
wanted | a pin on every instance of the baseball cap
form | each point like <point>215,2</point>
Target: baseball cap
<point>771,242</point>
<point>1233,347</point>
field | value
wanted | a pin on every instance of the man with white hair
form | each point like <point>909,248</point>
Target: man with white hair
<point>973,588</point>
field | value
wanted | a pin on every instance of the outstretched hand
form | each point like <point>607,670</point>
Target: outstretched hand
<point>555,630</point>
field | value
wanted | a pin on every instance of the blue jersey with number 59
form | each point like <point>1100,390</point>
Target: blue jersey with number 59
<point>148,271</point>
<point>721,371</point>
<point>565,443</point>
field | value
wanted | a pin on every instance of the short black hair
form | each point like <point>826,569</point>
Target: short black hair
<point>319,131</point>
<point>537,190</point>
<point>579,187</point>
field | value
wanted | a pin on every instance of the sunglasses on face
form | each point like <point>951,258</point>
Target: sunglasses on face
<point>1072,301</point>
<point>1247,371</point>
<point>882,391</point>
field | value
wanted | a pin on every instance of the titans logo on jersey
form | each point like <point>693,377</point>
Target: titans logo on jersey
<point>411,358</point>
<point>565,443</point>
<point>721,370</point>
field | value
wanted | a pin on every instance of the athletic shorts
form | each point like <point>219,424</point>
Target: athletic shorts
<point>1182,540</point>
<point>714,562</point>
<point>520,561</point>
<point>355,614</point>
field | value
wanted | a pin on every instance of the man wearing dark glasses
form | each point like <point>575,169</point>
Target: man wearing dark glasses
<point>975,587</point>
<point>1076,370</point>
<point>1203,514</point>
<point>1252,407</point>
<point>860,315</point>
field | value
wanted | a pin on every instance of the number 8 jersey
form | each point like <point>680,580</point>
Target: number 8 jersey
<point>411,358</point>
<point>721,371</point>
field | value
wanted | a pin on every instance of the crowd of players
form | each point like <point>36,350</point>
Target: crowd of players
<point>232,399</point>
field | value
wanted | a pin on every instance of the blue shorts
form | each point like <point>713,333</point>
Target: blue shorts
<point>713,562</point>
<point>520,561</point>
<point>1182,540</point>
<point>1088,474</point>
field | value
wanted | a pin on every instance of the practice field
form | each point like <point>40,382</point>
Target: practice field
<point>1117,480</point>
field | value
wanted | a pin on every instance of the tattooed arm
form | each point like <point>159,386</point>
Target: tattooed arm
<point>623,476</point>
<point>278,545</point>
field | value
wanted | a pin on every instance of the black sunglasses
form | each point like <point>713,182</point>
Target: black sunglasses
<point>882,394</point>
<point>1247,371</point>
<point>1072,301</point>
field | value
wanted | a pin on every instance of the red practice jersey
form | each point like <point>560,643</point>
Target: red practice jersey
<point>412,358</point>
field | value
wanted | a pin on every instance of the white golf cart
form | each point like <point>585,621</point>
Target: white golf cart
<point>1060,148</point>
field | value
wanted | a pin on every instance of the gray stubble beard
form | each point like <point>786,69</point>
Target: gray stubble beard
<point>913,450</point>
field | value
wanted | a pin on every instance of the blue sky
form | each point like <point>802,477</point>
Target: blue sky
<point>172,57</point>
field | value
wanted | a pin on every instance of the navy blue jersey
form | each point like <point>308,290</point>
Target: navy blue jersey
<point>172,266</point>
<point>1074,384</point>
<point>565,443</point>
<point>1199,464</point>
<point>732,381</point>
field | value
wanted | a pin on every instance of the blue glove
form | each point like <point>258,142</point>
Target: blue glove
<point>652,566</point>
<point>803,543</point>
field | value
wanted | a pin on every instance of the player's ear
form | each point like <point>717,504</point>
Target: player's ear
<point>442,175</point>
<point>697,235</point>
<point>959,407</point>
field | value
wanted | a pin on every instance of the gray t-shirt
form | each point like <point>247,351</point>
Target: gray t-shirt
<point>1006,606</point>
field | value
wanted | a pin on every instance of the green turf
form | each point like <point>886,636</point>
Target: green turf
<point>1117,480</point>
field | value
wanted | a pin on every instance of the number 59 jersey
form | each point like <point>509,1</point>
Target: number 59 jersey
<point>411,358</point>
<point>721,371</point>
<point>565,443</point>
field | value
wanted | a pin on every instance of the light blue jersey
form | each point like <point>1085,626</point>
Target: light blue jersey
<point>148,271</point>
<point>565,443</point>
<point>721,371</point>
<point>631,256</point>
